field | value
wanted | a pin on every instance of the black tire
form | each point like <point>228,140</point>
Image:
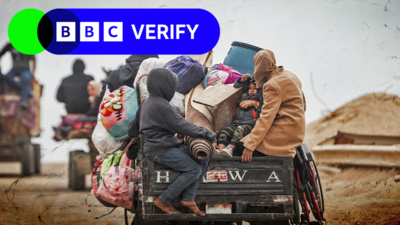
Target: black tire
<point>245,45</point>
<point>76,173</point>
<point>27,159</point>
<point>36,151</point>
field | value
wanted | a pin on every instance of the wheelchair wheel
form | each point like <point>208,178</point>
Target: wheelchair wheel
<point>305,216</point>
<point>314,192</point>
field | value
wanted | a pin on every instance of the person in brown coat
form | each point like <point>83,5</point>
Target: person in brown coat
<point>281,126</point>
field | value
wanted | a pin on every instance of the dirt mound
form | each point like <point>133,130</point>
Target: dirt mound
<point>371,198</point>
<point>372,114</point>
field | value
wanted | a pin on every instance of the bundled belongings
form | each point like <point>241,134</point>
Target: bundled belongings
<point>114,181</point>
<point>145,68</point>
<point>178,102</point>
<point>117,110</point>
<point>104,142</point>
<point>221,74</point>
<point>190,73</point>
<point>124,76</point>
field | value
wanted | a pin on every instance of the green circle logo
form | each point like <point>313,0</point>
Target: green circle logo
<point>23,31</point>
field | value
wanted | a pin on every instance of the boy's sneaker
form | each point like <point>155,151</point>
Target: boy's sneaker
<point>227,151</point>
<point>217,152</point>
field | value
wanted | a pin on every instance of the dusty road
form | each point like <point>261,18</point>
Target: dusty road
<point>46,200</point>
<point>352,196</point>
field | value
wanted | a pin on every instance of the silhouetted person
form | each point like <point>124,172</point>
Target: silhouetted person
<point>73,90</point>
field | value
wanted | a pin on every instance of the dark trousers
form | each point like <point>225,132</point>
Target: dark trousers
<point>238,151</point>
<point>25,81</point>
<point>181,159</point>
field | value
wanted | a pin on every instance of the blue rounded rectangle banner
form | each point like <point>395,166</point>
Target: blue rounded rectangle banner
<point>132,31</point>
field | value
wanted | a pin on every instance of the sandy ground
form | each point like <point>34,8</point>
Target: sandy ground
<point>352,196</point>
<point>362,196</point>
<point>46,200</point>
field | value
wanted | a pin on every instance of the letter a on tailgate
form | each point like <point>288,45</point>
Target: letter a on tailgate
<point>273,176</point>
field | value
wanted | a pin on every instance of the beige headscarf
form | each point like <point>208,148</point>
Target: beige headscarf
<point>265,64</point>
<point>97,88</point>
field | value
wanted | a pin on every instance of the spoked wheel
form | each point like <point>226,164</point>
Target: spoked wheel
<point>296,207</point>
<point>314,192</point>
<point>305,217</point>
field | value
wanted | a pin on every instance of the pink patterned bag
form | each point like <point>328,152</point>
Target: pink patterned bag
<point>118,184</point>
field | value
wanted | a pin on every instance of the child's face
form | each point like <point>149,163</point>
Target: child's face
<point>252,89</point>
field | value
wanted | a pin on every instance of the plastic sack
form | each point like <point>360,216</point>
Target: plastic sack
<point>142,87</point>
<point>190,73</point>
<point>118,109</point>
<point>104,142</point>
<point>117,184</point>
<point>146,66</point>
<point>178,102</point>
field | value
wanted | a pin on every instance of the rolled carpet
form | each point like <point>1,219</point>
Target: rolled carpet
<point>200,148</point>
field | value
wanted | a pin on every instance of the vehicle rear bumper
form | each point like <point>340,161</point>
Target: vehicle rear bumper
<point>222,217</point>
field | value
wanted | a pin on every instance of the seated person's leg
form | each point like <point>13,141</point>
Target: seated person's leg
<point>258,154</point>
<point>26,78</point>
<point>189,194</point>
<point>178,159</point>
<point>240,132</point>
<point>239,150</point>
<point>225,135</point>
<point>9,78</point>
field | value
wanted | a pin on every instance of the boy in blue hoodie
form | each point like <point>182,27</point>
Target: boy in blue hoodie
<point>159,122</point>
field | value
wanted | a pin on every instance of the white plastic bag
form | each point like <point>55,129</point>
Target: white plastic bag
<point>146,66</point>
<point>142,88</point>
<point>104,142</point>
<point>178,102</point>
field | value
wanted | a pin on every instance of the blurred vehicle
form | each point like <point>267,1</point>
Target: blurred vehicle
<point>17,127</point>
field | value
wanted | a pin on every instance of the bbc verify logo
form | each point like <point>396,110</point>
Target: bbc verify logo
<point>115,31</point>
<point>89,32</point>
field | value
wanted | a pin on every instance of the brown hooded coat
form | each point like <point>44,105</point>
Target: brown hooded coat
<point>281,126</point>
